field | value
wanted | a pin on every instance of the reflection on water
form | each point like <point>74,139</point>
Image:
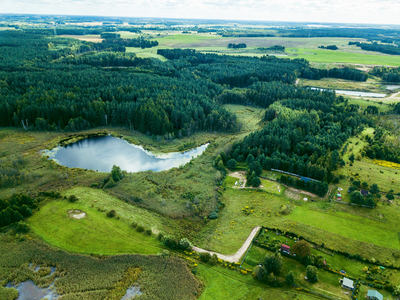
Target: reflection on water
<point>131,293</point>
<point>355,93</point>
<point>28,290</point>
<point>101,153</point>
<point>392,87</point>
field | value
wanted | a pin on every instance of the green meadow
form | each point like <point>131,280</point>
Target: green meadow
<point>95,233</point>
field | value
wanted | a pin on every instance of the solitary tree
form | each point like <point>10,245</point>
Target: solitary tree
<point>311,273</point>
<point>374,189</point>
<point>301,249</point>
<point>116,173</point>
<point>290,278</point>
<point>351,158</point>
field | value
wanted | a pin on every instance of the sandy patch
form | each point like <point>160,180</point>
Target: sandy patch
<point>76,214</point>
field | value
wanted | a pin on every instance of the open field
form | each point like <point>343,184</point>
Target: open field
<point>236,286</point>
<point>329,56</point>
<point>95,233</point>
<point>371,85</point>
<point>95,38</point>
<point>249,116</point>
<point>295,47</point>
<point>364,170</point>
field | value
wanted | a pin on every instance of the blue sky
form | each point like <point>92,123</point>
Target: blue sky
<point>336,11</point>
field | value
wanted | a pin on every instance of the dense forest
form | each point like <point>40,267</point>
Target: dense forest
<point>302,136</point>
<point>383,48</point>
<point>387,74</point>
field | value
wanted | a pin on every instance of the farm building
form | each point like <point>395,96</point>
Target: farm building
<point>364,192</point>
<point>347,283</point>
<point>374,295</point>
<point>285,248</point>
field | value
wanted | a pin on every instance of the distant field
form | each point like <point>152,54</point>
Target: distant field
<point>249,116</point>
<point>328,56</point>
<point>147,52</point>
<point>89,38</point>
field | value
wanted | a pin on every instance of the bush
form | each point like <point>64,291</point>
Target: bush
<point>214,260</point>
<point>213,215</point>
<point>160,236</point>
<point>148,231</point>
<point>140,228</point>
<point>205,257</point>
<point>111,213</point>
<point>22,227</point>
<point>134,224</point>
<point>185,244</point>
<point>72,199</point>
<point>170,242</point>
<point>111,183</point>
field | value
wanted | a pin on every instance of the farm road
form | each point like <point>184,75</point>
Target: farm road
<point>234,257</point>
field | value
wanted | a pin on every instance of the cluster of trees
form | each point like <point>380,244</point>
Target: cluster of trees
<point>235,46</point>
<point>137,42</point>
<point>378,149</point>
<point>300,140</point>
<point>383,48</point>
<point>387,74</point>
<point>276,48</point>
<point>15,209</point>
<point>366,33</point>
<point>330,47</point>
<point>110,35</point>
<point>318,187</point>
<point>269,268</point>
<point>343,73</point>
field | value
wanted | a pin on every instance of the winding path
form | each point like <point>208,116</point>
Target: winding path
<point>234,257</point>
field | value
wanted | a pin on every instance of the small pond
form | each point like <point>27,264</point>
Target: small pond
<point>355,93</point>
<point>131,293</point>
<point>392,87</point>
<point>101,153</point>
<point>28,290</point>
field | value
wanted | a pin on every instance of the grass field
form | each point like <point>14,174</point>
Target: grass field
<point>223,284</point>
<point>94,233</point>
<point>386,178</point>
<point>371,85</point>
<point>328,56</point>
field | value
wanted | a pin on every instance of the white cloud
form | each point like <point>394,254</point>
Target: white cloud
<point>336,11</point>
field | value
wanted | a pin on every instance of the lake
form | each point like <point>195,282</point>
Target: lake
<point>101,153</point>
<point>355,93</point>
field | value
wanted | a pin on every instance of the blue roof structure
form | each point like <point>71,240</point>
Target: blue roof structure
<point>374,295</point>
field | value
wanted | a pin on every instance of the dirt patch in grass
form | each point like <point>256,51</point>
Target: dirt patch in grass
<point>76,214</point>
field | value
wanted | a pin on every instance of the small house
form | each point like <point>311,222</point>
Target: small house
<point>347,283</point>
<point>374,295</point>
<point>285,249</point>
<point>364,193</point>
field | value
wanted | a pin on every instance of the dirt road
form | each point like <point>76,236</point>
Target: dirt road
<point>234,257</point>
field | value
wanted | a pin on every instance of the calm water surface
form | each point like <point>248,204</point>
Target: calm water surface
<point>101,153</point>
<point>355,93</point>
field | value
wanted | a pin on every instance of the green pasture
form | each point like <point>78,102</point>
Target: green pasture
<point>94,233</point>
<point>380,103</point>
<point>370,85</point>
<point>250,117</point>
<point>348,225</point>
<point>364,170</point>
<point>227,233</point>
<point>147,52</point>
<point>221,284</point>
